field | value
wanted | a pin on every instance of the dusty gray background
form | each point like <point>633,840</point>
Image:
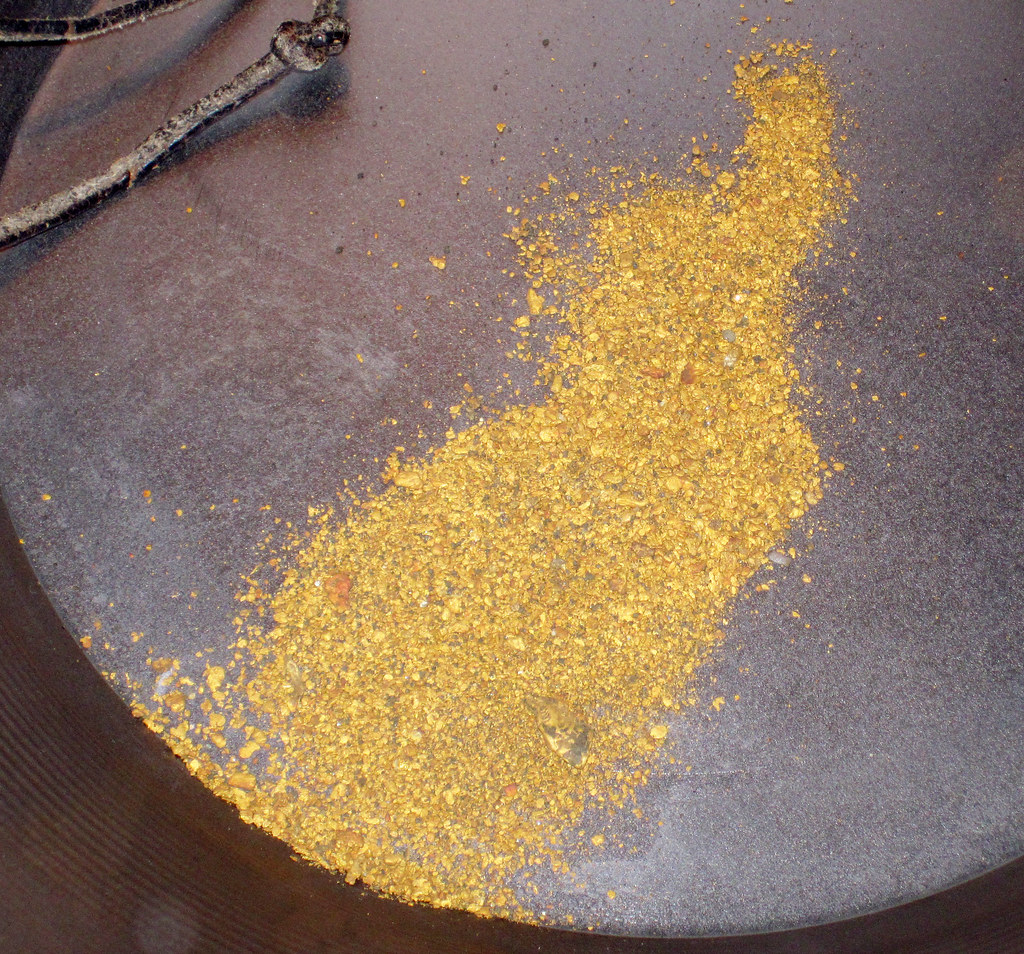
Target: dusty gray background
<point>875,753</point>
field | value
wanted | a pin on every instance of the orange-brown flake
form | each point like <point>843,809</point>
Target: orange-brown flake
<point>337,587</point>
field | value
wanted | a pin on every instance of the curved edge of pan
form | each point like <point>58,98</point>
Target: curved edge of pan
<point>108,844</point>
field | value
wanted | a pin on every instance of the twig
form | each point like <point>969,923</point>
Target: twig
<point>68,29</point>
<point>296,46</point>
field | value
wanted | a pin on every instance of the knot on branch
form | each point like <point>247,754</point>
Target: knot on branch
<point>307,46</point>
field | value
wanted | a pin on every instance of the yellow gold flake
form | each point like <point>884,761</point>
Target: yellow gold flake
<point>535,301</point>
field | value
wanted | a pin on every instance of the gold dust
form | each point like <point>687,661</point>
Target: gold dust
<point>577,556</point>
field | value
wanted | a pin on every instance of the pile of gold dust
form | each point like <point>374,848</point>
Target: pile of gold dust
<point>497,641</point>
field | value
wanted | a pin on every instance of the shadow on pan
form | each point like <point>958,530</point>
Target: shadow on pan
<point>109,845</point>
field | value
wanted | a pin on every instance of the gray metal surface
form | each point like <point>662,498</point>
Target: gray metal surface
<point>209,357</point>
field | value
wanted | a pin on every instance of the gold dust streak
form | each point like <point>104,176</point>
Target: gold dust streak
<point>583,550</point>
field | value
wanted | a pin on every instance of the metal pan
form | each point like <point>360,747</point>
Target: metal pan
<point>207,356</point>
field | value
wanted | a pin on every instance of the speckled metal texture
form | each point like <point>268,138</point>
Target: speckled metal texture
<point>197,339</point>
